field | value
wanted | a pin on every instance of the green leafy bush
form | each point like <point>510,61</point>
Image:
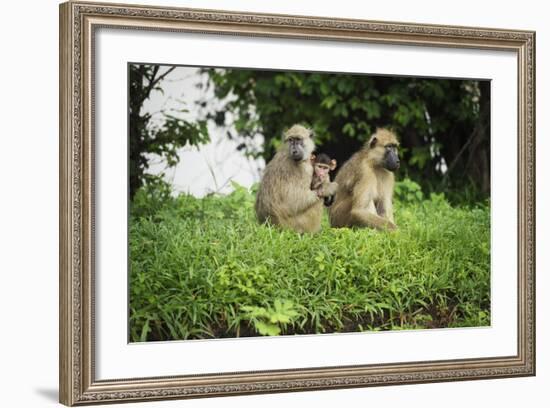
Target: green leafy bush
<point>408,191</point>
<point>204,268</point>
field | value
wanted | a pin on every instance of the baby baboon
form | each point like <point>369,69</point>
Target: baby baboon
<point>320,183</point>
<point>365,185</point>
<point>285,197</point>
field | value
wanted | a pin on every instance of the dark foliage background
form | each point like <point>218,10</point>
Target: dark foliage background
<point>443,124</point>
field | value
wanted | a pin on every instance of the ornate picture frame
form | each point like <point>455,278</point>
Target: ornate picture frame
<point>78,24</point>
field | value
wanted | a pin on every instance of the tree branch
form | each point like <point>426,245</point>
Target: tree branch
<point>160,78</point>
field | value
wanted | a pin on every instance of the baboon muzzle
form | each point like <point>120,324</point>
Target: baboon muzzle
<point>391,161</point>
<point>296,153</point>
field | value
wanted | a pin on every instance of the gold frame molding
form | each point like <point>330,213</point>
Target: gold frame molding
<point>78,22</point>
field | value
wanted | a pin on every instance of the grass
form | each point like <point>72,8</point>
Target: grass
<point>204,268</point>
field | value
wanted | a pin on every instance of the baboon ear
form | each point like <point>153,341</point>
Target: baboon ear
<point>312,158</point>
<point>373,142</point>
<point>332,164</point>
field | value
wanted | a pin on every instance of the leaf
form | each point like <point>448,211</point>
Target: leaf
<point>329,101</point>
<point>349,129</point>
<point>145,331</point>
<point>267,329</point>
<point>255,312</point>
<point>283,312</point>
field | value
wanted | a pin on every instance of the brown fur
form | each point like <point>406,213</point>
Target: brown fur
<point>365,188</point>
<point>284,197</point>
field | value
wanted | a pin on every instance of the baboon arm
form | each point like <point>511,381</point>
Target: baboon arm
<point>363,194</point>
<point>313,200</point>
<point>303,201</point>
<point>328,189</point>
<point>388,208</point>
<point>363,211</point>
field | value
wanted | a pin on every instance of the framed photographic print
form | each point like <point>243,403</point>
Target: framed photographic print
<point>256,203</point>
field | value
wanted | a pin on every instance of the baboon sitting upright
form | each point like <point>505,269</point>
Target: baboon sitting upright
<point>285,197</point>
<point>365,185</point>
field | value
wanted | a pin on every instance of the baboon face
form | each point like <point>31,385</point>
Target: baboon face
<point>391,158</point>
<point>296,148</point>
<point>322,166</point>
<point>383,147</point>
<point>300,145</point>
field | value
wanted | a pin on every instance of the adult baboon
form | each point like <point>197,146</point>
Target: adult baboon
<point>365,185</point>
<point>285,197</point>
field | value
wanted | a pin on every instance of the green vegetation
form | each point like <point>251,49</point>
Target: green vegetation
<point>204,268</point>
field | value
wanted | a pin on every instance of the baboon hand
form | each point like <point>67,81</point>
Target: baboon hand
<point>328,190</point>
<point>390,226</point>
